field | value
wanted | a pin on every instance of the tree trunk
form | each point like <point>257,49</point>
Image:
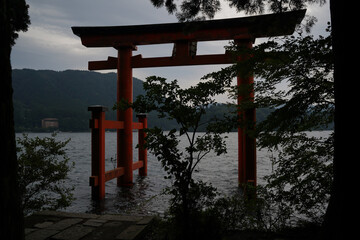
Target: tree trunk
<point>11,226</point>
<point>337,222</point>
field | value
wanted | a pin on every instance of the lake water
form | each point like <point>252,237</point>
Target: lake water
<point>146,197</point>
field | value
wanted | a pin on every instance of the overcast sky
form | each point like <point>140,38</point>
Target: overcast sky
<point>50,44</point>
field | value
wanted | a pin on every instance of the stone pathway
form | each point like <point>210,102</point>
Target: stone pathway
<point>73,226</point>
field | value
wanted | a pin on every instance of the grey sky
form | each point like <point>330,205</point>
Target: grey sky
<point>50,43</point>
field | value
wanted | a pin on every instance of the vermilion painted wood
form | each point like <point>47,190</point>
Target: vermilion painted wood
<point>142,149</point>
<point>184,36</point>
<point>234,28</point>
<point>98,152</point>
<point>124,136</point>
<point>246,143</point>
<point>98,124</point>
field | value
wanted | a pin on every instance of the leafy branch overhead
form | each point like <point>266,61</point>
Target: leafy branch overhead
<point>190,10</point>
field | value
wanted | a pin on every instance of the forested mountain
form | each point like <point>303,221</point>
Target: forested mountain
<point>66,95</point>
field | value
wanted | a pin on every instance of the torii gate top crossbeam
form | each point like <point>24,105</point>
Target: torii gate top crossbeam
<point>226,29</point>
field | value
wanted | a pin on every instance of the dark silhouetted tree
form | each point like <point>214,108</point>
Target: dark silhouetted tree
<point>340,19</point>
<point>13,18</point>
<point>303,173</point>
<point>190,198</point>
<point>190,10</point>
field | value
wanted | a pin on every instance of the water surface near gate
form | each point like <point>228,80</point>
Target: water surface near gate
<point>146,197</point>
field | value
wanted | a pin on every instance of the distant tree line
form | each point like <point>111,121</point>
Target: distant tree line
<point>66,95</point>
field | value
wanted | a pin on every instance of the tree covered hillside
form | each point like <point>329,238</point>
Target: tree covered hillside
<point>66,95</point>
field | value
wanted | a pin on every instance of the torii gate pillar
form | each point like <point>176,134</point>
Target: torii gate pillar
<point>246,143</point>
<point>124,136</point>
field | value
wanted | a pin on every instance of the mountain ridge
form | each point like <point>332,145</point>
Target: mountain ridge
<point>66,95</point>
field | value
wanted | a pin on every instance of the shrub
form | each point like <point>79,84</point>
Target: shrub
<point>43,171</point>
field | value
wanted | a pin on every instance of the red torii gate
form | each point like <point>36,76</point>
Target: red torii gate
<point>124,39</point>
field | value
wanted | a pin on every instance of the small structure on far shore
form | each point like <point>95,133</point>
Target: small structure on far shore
<point>49,123</point>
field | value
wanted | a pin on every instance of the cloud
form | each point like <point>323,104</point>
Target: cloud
<point>50,36</point>
<point>50,43</point>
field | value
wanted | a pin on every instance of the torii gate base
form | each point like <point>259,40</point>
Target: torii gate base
<point>99,176</point>
<point>184,36</point>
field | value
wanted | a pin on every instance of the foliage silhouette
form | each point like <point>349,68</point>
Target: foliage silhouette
<point>43,170</point>
<point>187,107</point>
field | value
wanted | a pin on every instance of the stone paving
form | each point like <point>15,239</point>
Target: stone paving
<point>73,226</point>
